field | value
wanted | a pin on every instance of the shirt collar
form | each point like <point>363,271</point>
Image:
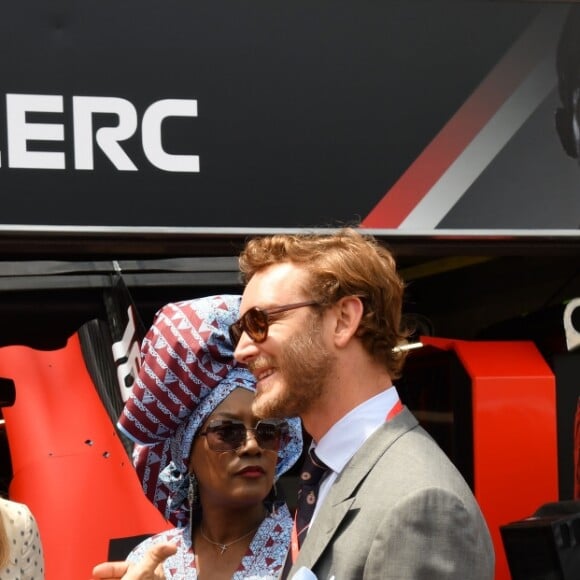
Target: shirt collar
<point>347,436</point>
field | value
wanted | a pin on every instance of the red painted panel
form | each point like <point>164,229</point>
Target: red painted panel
<point>69,465</point>
<point>514,431</point>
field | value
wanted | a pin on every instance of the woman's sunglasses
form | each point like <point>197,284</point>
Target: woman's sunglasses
<point>255,321</point>
<point>230,434</point>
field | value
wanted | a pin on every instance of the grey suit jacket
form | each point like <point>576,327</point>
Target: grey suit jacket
<point>399,510</point>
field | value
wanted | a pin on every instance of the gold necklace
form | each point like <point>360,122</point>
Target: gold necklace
<point>224,547</point>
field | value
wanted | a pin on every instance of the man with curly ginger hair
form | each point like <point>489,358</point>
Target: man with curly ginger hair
<point>320,329</point>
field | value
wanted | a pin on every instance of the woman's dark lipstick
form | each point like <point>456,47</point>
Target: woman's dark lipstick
<point>251,471</point>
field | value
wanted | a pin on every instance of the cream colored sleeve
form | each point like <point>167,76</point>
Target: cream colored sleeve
<point>26,554</point>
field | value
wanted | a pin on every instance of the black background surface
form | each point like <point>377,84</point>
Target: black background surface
<point>308,112</point>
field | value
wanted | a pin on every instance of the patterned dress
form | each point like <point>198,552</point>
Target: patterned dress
<point>262,561</point>
<point>26,555</point>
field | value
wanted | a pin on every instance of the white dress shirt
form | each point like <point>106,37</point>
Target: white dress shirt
<point>348,435</point>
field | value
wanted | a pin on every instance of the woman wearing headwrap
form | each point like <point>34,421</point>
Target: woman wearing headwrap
<point>203,458</point>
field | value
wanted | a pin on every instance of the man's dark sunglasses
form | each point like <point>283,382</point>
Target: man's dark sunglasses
<point>255,321</point>
<point>231,434</point>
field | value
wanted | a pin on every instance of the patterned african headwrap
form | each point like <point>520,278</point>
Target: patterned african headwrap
<point>187,370</point>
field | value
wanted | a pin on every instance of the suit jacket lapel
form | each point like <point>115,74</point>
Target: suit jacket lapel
<point>342,494</point>
<point>321,532</point>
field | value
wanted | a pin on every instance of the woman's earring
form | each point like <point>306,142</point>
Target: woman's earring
<point>274,499</point>
<point>193,491</point>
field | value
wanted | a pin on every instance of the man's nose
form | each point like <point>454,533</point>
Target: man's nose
<point>246,349</point>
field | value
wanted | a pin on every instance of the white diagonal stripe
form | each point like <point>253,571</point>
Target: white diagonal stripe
<point>485,146</point>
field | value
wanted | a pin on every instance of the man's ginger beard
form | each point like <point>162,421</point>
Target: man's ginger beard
<point>303,368</point>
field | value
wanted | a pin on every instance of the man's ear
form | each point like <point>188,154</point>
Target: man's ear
<point>349,312</point>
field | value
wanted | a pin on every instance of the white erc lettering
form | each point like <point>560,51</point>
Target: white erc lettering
<point>108,139</point>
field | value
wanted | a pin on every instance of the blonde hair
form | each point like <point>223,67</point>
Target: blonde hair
<point>345,263</point>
